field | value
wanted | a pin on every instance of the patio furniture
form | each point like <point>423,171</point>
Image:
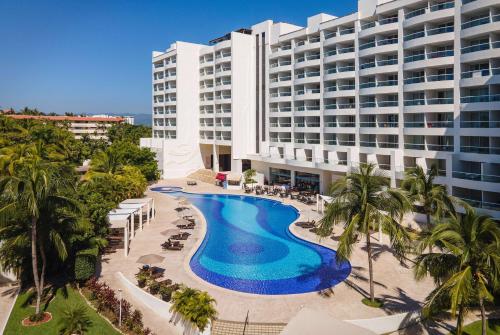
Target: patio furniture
<point>190,225</point>
<point>191,183</point>
<point>172,245</point>
<point>181,208</point>
<point>306,224</point>
<point>181,236</point>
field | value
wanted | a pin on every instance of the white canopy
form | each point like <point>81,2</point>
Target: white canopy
<point>308,321</point>
<point>118,220</point>
<point>137,201</point>
<point>123,211</point>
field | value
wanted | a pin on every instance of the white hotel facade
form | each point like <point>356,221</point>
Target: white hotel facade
<point>398,83</point>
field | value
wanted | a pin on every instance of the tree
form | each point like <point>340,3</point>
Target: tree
<point>465,266</point>
<point>249,176</point>
<point>124,132</point>
<point>195,306</point>
<point>363,201</point>
<point>75,321</point>
<point>36,190</point>
<point>433,198</point>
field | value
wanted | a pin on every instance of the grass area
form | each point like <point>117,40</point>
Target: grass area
<point>64,299</point>
<point>376,304</point>
<point>475,328</point>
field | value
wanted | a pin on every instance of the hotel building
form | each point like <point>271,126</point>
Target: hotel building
<point>398,83</point>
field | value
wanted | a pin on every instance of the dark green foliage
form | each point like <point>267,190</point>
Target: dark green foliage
<point>85,263</point>
<point>128,133</point>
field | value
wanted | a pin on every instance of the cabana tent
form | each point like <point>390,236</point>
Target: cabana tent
<point>132,212</point>
<point>138,208</point>
<point>121,222</point>
<point>147,203</point>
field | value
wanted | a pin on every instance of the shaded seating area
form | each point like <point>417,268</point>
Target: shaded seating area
<point>306,224</point>
<point>172,245</point>
<point>126,219</point>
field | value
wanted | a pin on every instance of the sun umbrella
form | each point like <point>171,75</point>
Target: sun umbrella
<point>181,222</point>
<point>186,212</point>
<point>173,231</point>
<point>150,259</point>
<point>181,208</point>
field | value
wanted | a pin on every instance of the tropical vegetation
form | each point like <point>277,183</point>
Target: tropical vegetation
<point>464,262</point>
<point>62,299</point>
<point>49,213</point>
<point>363,202</point>
<point>195,306</point>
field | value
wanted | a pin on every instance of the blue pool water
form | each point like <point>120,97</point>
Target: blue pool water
<point>249,248</point>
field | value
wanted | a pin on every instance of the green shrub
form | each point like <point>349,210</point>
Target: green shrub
<point>85,263</point>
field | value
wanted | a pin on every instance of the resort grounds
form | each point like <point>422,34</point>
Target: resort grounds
<point>395,283</point>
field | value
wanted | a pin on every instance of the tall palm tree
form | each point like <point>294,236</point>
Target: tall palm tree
<point>105,162</point>
<point>362,202</point>
<point>433,198</point>
<point>36,190</point>
<point>465,265</point>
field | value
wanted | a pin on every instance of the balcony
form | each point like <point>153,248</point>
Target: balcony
<point>282,63</point>
<point>480,21</point>
<point>377,43</point>
<point>480,150</point>
<point>428,32</point>
<point>479,124</point>
<point>480,98</point>
<point>429,124</point>
<point>431,101</point>
<point>480,47</point>
<point>429,55</point>
<point>476,176</point>
<point>433,8</point>
<point>307,74</point>
<point>480,73</point>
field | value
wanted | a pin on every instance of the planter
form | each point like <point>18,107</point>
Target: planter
<point>46,317</point>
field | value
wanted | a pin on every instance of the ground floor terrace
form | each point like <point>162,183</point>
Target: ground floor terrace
<point>394,282</point>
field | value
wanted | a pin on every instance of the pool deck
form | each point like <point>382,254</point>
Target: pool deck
<point>394,282</point>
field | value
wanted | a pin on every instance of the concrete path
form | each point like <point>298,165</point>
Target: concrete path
<point>8,296</point>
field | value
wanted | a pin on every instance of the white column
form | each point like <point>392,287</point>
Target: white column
<point>125,237</point>
<point>132,225</point>
<point>147,216</point>
<point>140,218</point>
<point>153,208</point>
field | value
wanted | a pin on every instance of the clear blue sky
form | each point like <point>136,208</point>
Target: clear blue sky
<point>93,56</point>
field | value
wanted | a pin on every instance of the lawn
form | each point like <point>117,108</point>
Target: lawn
<point>64,299</point>
<point>475,328</point>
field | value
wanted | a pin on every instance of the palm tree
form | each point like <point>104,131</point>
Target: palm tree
<point>75,321</point>
<point>195,306</point>
<point>465,266</point>
<point>433,198</point>
<point>105,162</point>
<point>362,202</point>
<point>36,190</point>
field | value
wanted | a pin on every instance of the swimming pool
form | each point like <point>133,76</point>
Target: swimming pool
<point>249,248</point>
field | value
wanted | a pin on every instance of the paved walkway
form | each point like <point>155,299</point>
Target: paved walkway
<point>8,296</point>
<point>394,282</point>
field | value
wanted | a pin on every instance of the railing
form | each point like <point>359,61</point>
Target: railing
<point>330,142</point>
<point>388,144</point>
<point>429,32</point>
<point>307,74</point>
<point>415,146</point>
<point>480,47</point>
<point>480,150</point>
<point>368,144</point>
<point>440,147</point>
<point>429,55</point>
<point>433,8</point>
<point>306,108</point>
<point>330,34</point>
<point>480,21</point>
<point>440,101</point>
<point>282,63</point>
<point>281,94</point>
<point>482,204</point>
<point>347,87</point>
<point>346,31</point>
<point>480,98</point>
<point>479,124</point>
<point>476,176</point>
<point>480,73</point>
<point>282,109</point>
<point>378,43</point>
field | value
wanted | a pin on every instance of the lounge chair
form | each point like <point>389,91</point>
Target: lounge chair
<point>182,208</point>
<point>306,225</point>
<point>191,183</point>
<point>189,218</point>
<point>186,226</point>
<point>181,236</point>
<point>172,245</point>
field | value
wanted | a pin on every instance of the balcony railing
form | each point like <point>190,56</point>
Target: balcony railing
<point>480,150</point>
<point>482,204</point>
<point>387,144</point>
<point>431,101</point>
<point>480,98</point>
<point>476,176</point>
<point>480,21</point>
<point>368,144</point>
<point>428,32</point>
<point>429,55</point>
<point>377,43</point>
<point>433,8</point>
<point>306,108</point>
<point>481,73</point>
<point>479,124</point>
<point>480,47</point>
<point>307,74</point>
<point>282,63</point>
<point>440,147</point>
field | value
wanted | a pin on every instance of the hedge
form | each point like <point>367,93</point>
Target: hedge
<point>85,263</point>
